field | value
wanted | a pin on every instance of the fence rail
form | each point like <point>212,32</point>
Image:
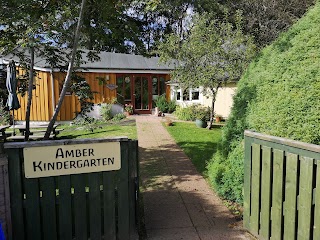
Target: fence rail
<point>99,205</point>
<point>281,188</point>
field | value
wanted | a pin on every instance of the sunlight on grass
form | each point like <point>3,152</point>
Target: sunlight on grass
<point>199,144</point>
<point>101,130</point>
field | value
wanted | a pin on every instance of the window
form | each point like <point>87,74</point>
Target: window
<point>190,94</point>
<point>124,89</point>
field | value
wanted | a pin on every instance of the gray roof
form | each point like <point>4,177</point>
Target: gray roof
<point>108,60</point>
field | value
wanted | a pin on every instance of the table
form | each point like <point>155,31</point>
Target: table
<point>34,128</point>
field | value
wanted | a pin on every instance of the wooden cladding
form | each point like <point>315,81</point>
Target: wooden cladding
<point>281,188</point>
<point>44,98</point>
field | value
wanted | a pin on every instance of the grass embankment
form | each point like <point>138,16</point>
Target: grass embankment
<point>100,130</point>
<point>199,144</point>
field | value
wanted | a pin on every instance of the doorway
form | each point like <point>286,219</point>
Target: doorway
<point>140,90</point>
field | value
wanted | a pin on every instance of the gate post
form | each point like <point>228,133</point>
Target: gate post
<point>5,212</point>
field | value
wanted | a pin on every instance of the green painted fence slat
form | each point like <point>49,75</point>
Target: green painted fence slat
<point>109,214</point>
<point>65,207</point>
<point>290,204</point>
<point>277,195</point>
<point>123,195</point>
<point>48,208</point>
<point>305,198</point>
<point>32,204</point>
<point>316,226</point>
<point>132,194</point>
<point>94,206</point>
<point>255,189</point>
<point>265,193</point>
<point>80,206</point>
<point>247,182</point>
<point>16,196</point>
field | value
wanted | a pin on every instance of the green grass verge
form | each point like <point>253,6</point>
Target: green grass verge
<point>100,130</point>
<point>199,144</point>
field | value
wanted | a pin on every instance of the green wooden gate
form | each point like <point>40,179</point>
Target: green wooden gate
<point>281,188</point>
<point>100,205</point>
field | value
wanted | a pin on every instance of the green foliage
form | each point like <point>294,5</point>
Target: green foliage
<point>118,117</point>
<point>105,111</point>
<point>164,105</point>
<point>214,53</point>
<point>82,91</point>
<point>128,108</point>
<point>278,95</point>
<point>172,105</point>
<point>227,175</point>
<point>4,114</point>
<point>202,113</point>
<point>185,113</point>
<point>192,112</point>
<point>87,123</point>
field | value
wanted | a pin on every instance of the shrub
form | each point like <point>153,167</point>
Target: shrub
<point>4,114</point>
<point>278,95</point>
<point>105,111</point>
<point>162,104</point>
<point>192,112</point>
<point>118,117</point>
<point>172,105</point>
<point>185,113</point>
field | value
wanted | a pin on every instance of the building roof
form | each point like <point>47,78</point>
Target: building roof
<point>109,62</point>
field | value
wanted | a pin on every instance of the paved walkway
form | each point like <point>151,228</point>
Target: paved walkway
<point>178,203</point>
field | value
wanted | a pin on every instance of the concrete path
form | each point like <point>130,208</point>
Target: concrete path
<point>178,203</point>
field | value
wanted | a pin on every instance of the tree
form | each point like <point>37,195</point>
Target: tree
<point>266,19</point>
<point>214,53</point>
<point>69,72</point>
<point>24,30</point>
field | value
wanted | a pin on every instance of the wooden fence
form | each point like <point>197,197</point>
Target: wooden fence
<point>100,205</point>
<point>281,188</point>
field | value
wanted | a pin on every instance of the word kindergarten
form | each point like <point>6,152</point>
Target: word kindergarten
<point>71,159</point>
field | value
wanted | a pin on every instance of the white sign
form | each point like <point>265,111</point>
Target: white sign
<point>71,159</point>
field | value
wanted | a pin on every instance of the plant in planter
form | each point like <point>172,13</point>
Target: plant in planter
<point>201,115</point>
<point>218,118</point>
<point>128,108</point>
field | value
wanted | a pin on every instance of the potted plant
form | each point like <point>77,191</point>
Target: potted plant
<point>218,118</point>
<point>201,116</point>
<point>128,108</point>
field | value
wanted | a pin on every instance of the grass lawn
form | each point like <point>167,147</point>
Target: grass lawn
<point>101,130</point>
<point>198,143</point>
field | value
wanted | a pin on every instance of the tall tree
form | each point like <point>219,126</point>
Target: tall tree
<point>214,53</point>
<point>69,72</point>
<point>266,19</point>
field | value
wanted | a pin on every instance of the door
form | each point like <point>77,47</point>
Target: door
<point>142,94</point>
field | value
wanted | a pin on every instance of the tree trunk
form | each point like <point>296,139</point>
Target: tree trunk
<point>69,72</point>
<point>30,88</point>
<point>214,96</point>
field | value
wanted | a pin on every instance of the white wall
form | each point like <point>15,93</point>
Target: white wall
<point>223,102</point>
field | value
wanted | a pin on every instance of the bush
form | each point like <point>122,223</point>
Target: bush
<point>4,114</point>
<point>185,113</point>
<point>105,111</point>
<point>172,105</point>
<point>192,112</point>
<point>162,104</point>
<point>278,95</point>
<point>118,117</point>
